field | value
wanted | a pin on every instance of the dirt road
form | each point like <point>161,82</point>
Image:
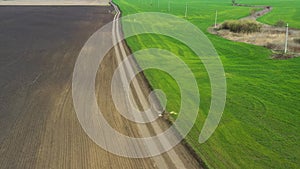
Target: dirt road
<point>39,128</point>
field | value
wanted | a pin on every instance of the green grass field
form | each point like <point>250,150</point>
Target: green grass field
<point>288,11</point>
<point>261,122</point>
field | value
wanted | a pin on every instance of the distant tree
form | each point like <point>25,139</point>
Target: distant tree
<point>233,2</point>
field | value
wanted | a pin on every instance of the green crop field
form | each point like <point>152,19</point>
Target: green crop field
<point>261,122</point>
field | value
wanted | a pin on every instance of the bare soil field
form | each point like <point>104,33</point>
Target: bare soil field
<point>39,128</point>
<point>55,2</point>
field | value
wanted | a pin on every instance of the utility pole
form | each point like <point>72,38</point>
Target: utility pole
<point>216,18</point>
<point>169,6</point>
<point>186,10</point>
<point>286,38</point>
<point>158,3</point>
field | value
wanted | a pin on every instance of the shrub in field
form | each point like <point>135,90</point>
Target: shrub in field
<point>242,26</point>
<point>280,23</point>
<point>254,10</point>
<point>297,40</point>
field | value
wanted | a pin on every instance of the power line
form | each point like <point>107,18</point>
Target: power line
<point>216,18</point>
<point>286,38</point>
<point>185,15</point>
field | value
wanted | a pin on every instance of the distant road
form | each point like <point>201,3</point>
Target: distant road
<point>55,2</point>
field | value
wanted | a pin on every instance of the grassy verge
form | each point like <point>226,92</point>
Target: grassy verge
<point>261,121</point>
